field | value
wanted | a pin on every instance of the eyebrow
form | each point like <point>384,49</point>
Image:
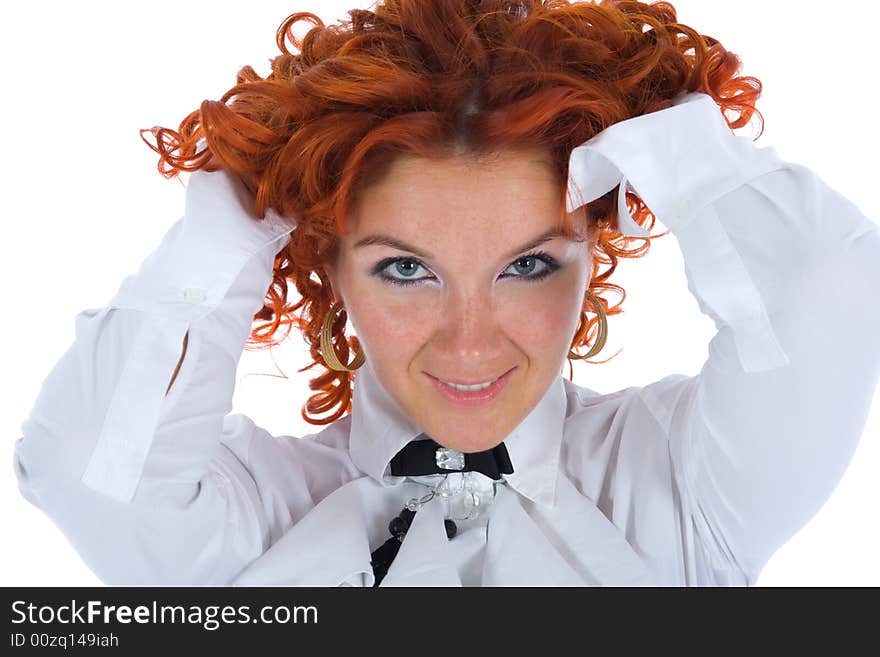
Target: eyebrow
<point>386,240</point>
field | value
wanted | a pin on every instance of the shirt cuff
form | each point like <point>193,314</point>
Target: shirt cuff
<point>678,160</point>
<point>203,253</point>
<point>218,259</point>
<point>681,160</point>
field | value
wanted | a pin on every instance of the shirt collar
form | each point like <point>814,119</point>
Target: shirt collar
<point>380,429</point>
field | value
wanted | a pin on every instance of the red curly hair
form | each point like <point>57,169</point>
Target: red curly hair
<point>437,78</point>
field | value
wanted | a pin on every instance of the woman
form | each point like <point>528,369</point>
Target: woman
<point>447,177</point>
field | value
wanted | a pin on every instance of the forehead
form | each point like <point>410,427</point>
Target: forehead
<point>494,194</point>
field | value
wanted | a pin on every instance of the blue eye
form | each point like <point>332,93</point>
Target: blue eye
<point>530,263</point>
<point>403,270</point>
<point>405,267</point>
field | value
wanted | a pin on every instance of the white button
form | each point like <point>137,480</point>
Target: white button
<point>194,294</point>
<point>684,207</point>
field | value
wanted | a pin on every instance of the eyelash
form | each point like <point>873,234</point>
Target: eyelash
<point>547,259</point>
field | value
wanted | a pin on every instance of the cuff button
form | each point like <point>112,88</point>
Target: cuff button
<point>194,295</point>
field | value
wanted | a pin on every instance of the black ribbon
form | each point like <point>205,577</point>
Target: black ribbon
<point>419,457</point>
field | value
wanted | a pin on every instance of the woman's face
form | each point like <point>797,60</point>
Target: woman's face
<point>460,298</point>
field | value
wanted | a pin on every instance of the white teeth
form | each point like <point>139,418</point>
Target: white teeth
<point>478,386</point>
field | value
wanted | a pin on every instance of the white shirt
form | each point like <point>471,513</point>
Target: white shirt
<point>686,481</point>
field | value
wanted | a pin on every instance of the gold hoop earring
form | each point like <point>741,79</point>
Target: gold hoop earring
<point>327,351</point>
<point>602,334</point>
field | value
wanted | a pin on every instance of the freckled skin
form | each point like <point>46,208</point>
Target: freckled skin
<point>464,321</point>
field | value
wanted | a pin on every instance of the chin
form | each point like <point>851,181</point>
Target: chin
<point>468,430</point>
<point>469,446</point>
<point>469,439</point>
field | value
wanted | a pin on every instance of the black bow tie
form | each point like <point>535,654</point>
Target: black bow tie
<point>424,457</point>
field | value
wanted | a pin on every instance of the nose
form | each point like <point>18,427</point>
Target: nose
<point>470,337</point>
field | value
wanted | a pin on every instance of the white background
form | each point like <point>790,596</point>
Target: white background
<point>83,205</point>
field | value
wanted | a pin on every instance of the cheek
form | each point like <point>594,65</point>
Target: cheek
<point>543,317</point>
<point>541,320</point>
<point>390,326</point>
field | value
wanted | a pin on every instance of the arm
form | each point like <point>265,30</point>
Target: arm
<point>788,270</point>
<point>146,479</point>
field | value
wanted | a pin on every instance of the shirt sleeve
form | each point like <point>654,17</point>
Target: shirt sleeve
<point>153,488</point>
<point>787,269</point>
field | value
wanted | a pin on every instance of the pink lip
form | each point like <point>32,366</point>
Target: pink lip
<point>473,398</point>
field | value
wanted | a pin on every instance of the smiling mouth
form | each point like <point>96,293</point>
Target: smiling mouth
<point>467,386</point>
<point>471,396</point>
